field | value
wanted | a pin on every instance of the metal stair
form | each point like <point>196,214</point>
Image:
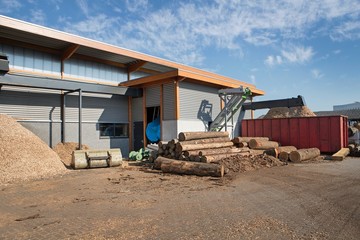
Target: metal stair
<point>234,99</point>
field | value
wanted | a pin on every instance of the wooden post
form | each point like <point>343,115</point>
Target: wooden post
<point>144,117</point>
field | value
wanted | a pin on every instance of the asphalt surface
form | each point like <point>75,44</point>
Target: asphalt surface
<point>318,200</point>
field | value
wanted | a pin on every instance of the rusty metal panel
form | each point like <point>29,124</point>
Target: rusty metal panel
<point>329,133</point>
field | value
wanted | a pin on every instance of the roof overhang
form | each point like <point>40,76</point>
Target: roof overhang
<point>183,75</point>
<point>66,85</point>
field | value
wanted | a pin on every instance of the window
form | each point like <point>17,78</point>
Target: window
<point>114,130</point>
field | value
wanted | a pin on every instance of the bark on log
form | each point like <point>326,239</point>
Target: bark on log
<point>276,151</point>
<point>215,158</point>
<point>247,139</point>
<point>180,147</point>
<point>256,152</point>
<point>304,154</point>
<point>206,140</point>
<point>222,150</point>
<point>192,168</point>
<point>158,161</point>
<point>185,136</point>
<point>262,145</point>
<point>172,143</point>
<point>243,144</point>
<point>284,156</point>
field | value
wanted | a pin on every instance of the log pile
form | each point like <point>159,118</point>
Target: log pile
<point>354,150</point>
<point>200,147</point>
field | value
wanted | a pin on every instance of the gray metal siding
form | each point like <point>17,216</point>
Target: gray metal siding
<point>191,98</point>
<point>137,109</point>
<point>31,60</point>
<point>96,108</point>
<point>153,96</point>
<point>77,68</point>
<point>169,102</point>
<point>30,105</point>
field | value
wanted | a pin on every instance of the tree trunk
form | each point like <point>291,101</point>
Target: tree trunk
<point>180,147</point>
<point>284,156</point>
<point>247,139</point>
<point>206,140</point>
<point>242,144</point>
<point>192,168</point>
<point>172,143</point>
<point>304,154</point>
<point>158,161</point>
<point>276,151</point>
<point>215,158</point>
<point>256,152</point>
<point>222,150</point>
<point>262,145</point>
<point>185,136</point>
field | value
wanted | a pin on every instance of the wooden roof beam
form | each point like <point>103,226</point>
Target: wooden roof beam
<point>136,65</point>
<point>68,52</point>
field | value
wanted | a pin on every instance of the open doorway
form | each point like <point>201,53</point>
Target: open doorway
<point>153,128</point>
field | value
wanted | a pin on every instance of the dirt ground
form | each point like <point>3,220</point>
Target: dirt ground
<point>318,200</point>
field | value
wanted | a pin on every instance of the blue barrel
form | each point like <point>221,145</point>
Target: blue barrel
<point>153,130</point>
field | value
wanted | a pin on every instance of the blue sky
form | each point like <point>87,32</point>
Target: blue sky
<point>285,47</point>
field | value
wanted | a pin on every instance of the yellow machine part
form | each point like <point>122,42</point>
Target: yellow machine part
<point>96,158</point>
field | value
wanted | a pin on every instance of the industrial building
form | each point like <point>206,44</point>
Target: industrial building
<point>68,88</point>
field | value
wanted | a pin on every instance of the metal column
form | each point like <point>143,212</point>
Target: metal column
<point>80,118</point>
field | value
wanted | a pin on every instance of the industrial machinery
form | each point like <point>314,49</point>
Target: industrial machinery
<point>96,158</point>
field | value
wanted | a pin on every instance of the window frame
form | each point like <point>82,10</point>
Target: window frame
<point>112,125</point>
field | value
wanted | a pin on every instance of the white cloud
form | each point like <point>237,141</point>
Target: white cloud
<point>298,54</point>
<point>316,74</point>
<point>137,5</point>
<point>8,6</point>
<point>38,16</point>
<point>84,7</point>
<point>182,31</point>
<point>253,79</point>
<point>348,30</point>
<point>273,60</point>
<point>337,51</point>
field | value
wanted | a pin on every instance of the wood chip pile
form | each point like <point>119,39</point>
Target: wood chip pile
<point>65,150</point>
<point>23,155</point>
<point>284,112</point>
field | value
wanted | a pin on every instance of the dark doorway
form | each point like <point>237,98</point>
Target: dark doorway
<point>138,135</point>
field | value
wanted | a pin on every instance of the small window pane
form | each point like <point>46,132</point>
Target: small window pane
<point>121,130</point>
<point>106,129</point>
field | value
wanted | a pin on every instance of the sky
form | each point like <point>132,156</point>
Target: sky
<point>285,47</point>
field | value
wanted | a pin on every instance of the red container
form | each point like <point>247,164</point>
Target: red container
<point>329,133</point>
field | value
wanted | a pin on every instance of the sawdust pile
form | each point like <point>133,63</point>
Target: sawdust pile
<point>284,112</point>
<point>23,155</point>
<point>238,164</point>
<point>64,150</point>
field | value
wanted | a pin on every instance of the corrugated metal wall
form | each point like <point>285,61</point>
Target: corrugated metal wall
<point>137,109</point>
<point>169,101</point>
<point>191,98</point>
<point>31,60</point>
<point>26,105</point>
<point>98,108</point>
<point>38,105</point>
<point>77,68</point>
<point>153,96</point>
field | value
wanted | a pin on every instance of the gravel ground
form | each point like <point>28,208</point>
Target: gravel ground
<point>315,200</point>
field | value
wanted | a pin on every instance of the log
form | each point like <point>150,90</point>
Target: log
<point>276,151</point>
<point>186,147</point>
<point>243,144</point>
<point>222,150</point>
<point>185,136</point>
<point>262,145</point>
<point>158,161</point>
<point>256,152</point>
<point>341,154</point>
<point>284,156</point>
<point>304,154</point>
<point>215,158</point>
<point>172,143</point>
<point>206,140</point>
<point>192,168</point>
<point>247,139</point>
